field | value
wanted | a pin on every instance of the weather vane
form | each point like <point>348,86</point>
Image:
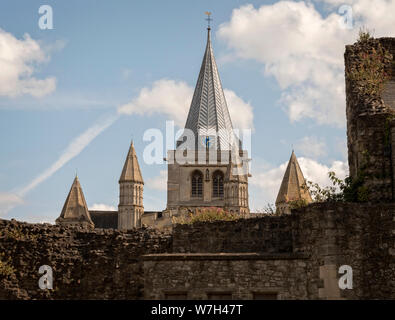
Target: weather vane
<point>208,13</point>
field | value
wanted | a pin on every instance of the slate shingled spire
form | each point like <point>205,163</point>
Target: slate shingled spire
<point>291,188</point>
<point>75,211</point>
<point>208,115</point>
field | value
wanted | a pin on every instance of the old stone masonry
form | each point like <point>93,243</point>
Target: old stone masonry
<point>327,250</point>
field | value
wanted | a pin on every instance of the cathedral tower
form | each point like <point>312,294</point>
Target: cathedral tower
<point>206,152</point>
<point>130,208</point>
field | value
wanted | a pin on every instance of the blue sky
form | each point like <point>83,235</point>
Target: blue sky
<point>281,60</point>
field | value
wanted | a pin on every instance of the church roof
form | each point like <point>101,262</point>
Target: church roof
<point>208,114</point>
<point>75,208</point>
<point>131,169</point>
<point>291,186</point>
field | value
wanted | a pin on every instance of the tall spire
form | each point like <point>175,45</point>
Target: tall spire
<point>208,114</point>
<point>75,211</point>
<point>131,169</point>
<point>291,188</point>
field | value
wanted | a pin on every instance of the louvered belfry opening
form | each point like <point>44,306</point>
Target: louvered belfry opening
<point>197,184</point>
<point>218,184</point>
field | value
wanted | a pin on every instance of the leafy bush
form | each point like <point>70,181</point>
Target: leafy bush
<point>269,209</point>
<point>346,190</point>
<point>206,215</point>
<point>296,204</point>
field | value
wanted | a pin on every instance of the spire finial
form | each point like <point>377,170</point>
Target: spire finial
<point>208,13</point>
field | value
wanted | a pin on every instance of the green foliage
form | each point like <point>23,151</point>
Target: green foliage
<point>371,71</point>
<point>269,209</point>
<point>364,35</point>
<point>297,204</point>
<point>346,190</point>
<point>207,215</point>
<point>6,268</point>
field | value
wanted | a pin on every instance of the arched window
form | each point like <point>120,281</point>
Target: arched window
<point>197,184</point>
<point>218,184</point>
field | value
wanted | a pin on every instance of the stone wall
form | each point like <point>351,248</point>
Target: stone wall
<point>296,256</point>
<point>266,234</point>
<point>239,276</point>
<point>358,235</point>
<point>99,264</point>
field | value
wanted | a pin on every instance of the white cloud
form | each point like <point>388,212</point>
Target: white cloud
<point>18,62</point>
<point>266,184</point>
<point>311,147</point>
<point>73,149</point>
<point>158,182</point>
<point>173,99</point>
<point>102,207</point>
<point>240,111</point>
<point>8,201</point>
<point>167,97</point>
<point>303,50</point>
<point>318,173</point>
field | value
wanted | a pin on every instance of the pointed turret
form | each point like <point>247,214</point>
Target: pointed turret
<point>291,188</point>
<point>131,169</point>
<point>75,211</point>
<point>208,116</point>
<point>131,184</point>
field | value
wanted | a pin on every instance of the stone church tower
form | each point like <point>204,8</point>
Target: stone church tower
<point>208,167</point>
<point>291,188</point>
<point>130,208</point>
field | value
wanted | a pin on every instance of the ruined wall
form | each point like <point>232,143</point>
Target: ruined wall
<point>99,264</point>
<point>369,121</point>
<point>266,234</point>
<point>296,256</point>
